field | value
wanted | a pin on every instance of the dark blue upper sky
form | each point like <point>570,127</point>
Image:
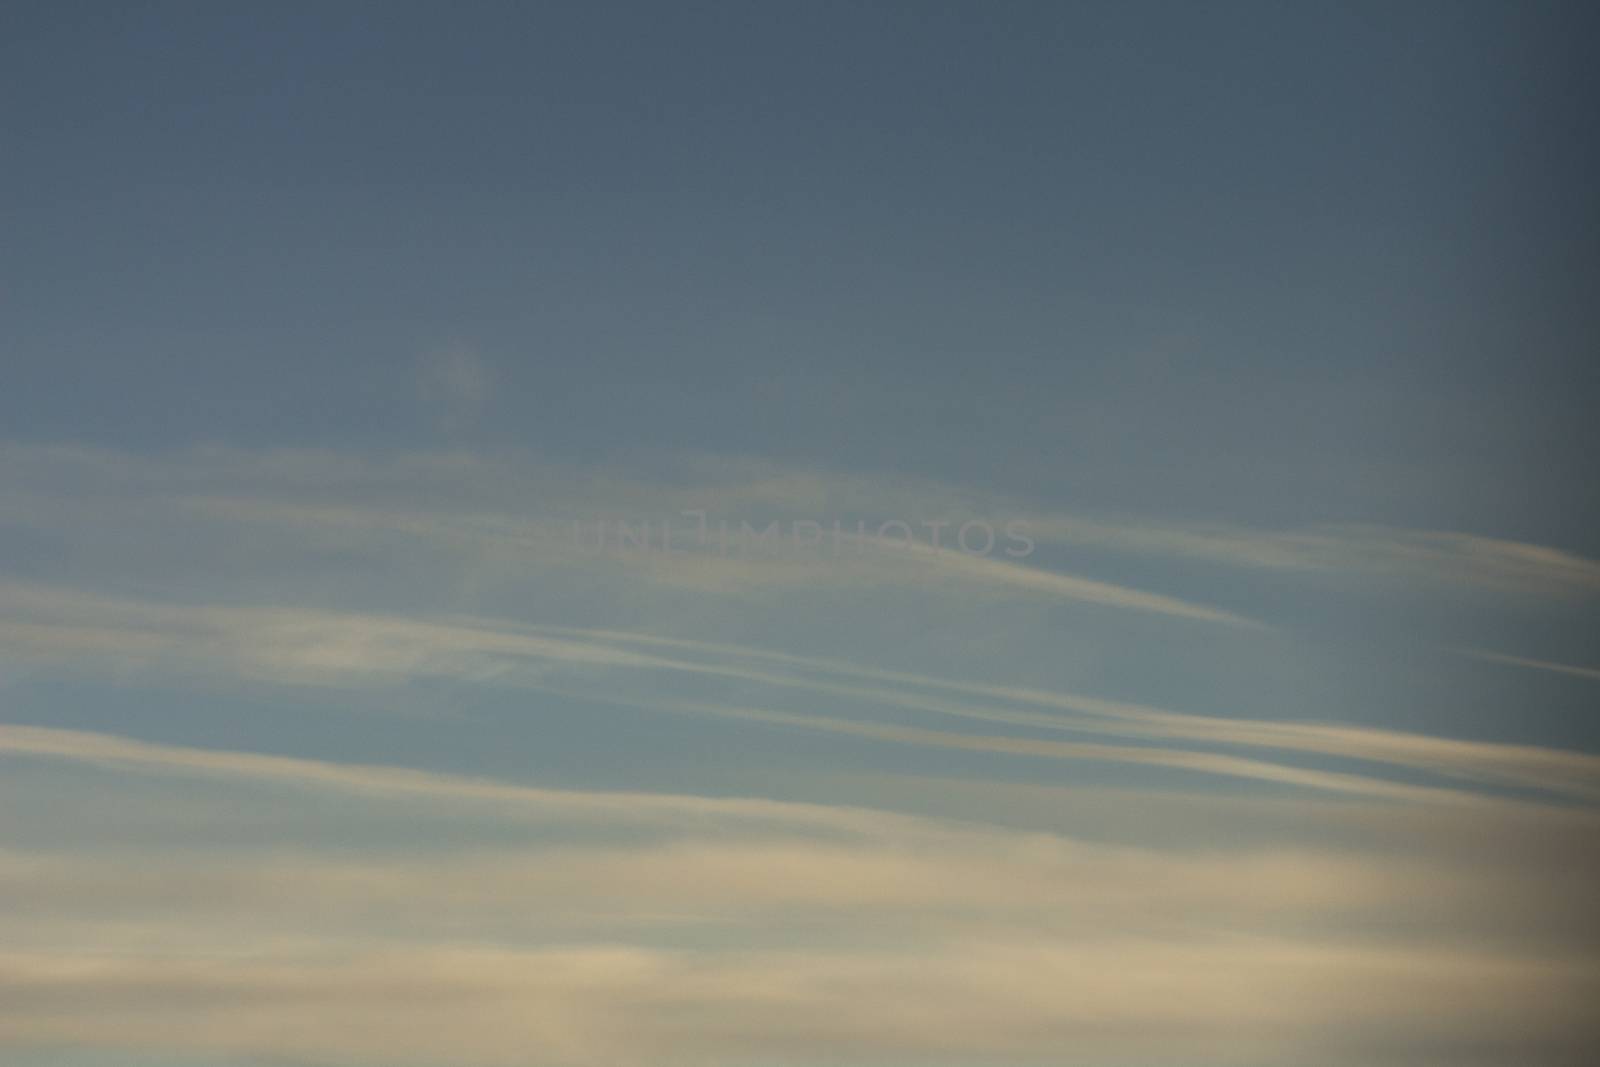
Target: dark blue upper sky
<point>1260,262</point>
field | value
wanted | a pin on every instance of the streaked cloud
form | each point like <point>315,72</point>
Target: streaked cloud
<point>328,648</point>
<point>1532,664</point>
<point>112,751</point>
<point>734,928</point>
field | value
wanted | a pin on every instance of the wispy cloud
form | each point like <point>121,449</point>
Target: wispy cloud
<point>472,504</point>
<point>725,928</point>
<point>109,750</point>
<point>1434,555</point>
<point>814,932</point>
<point>337,648</point>
<point>1532,664</point>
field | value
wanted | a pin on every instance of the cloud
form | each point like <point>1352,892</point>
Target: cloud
<point>1440,556</point>
<point>455,489</point>
<point>1575,773</point>
<point>1532,664</point>
<point>465,508</point>
<point>998,1001</point>
<point>714,937</point>
<point>1208,763</point>
<point>726,930</point>
<point>109,750</point>
<point>1003,949</point>
<point>346,648</point>
<point>1389,904</point>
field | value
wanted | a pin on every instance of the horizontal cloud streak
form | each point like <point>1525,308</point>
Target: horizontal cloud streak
<point>325,485</point>
<point>812,933</point>
<point>1005,1001</point>
<point>309,647</point>
<point>1533,664</point>
<point>109,750</point>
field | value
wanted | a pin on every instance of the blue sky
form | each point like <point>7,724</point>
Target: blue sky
<point>334,337</point>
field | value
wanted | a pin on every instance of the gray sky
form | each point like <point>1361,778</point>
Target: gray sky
<point>335,339</point>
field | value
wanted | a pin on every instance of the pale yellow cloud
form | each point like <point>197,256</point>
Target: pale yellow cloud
<point>1221,998</point>
<point>721,930</point>
<point>333,648</point>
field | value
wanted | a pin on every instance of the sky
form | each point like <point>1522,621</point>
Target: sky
<point>798,535</point>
